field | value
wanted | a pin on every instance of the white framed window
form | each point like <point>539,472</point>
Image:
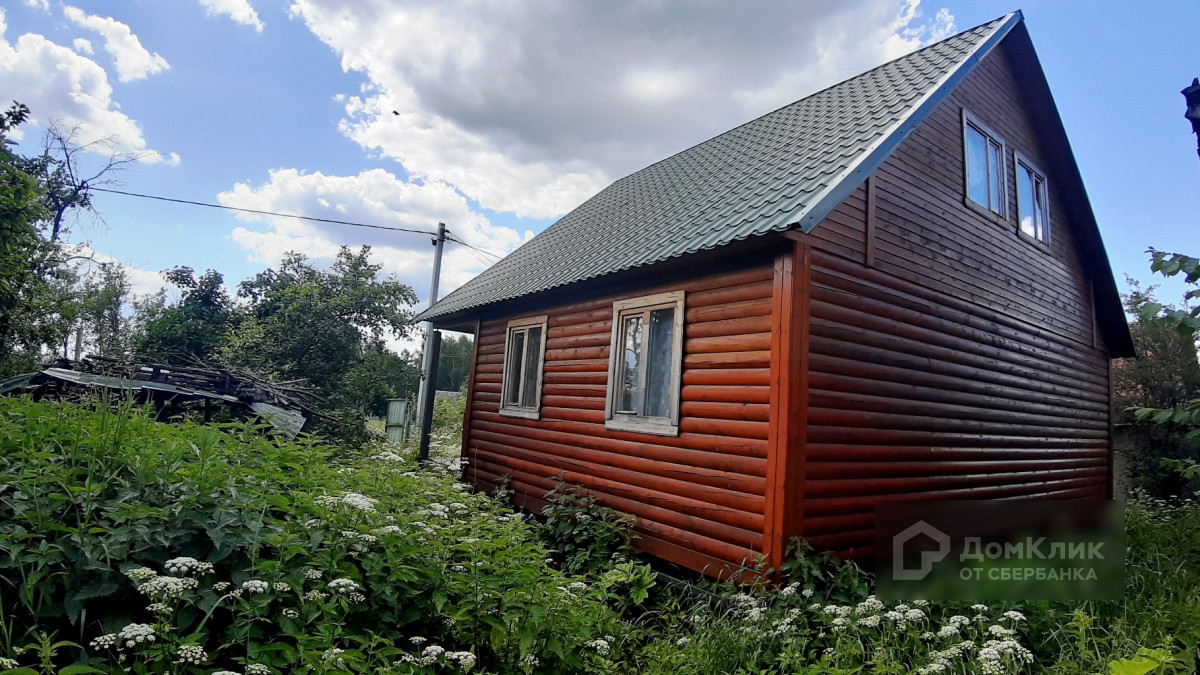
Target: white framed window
<point>1033,200</point>
<point>524,361</point>
<point>983,153</point>
<point>645,364</point>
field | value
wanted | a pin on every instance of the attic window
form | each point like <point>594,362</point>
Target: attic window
<point>645,364</point>
<point>524,358</point>
<point>1033,206</point>
<point>984,152</point>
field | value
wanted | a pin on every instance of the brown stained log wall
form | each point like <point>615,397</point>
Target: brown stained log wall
<point>910,346</point>
<point>963,361</point>
<point>699,497</point>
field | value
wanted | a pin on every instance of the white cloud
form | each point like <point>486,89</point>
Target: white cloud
<point>83,46</point>
<point>374,197</point>
<point>241,11</point>
<point>43,5</point>
<point>133,61</point>
<point>530,108</point>
<point>59,84</point>
<point>141,282</point>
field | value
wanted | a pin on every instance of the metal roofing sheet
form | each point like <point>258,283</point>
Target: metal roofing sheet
<point>765,175</point>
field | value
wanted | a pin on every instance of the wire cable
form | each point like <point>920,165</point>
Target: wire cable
<point>265,213</point>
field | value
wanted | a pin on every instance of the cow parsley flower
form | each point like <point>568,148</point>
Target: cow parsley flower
<point>1014,616</point>
<point>159,589</point>
<point>312,574</point>
<point>186,565</point>
<point>141,574</point>
<point>8,664</point>
<point>135,634</point>
<point>255,586</point>
<point>104,641</point>
<point>257,669</point>
<point>191,655</point>
<point>600,645</point>
<point>343,586</point>
<point>291,613</point>
<point>281,587</point>
<point>465,660</point>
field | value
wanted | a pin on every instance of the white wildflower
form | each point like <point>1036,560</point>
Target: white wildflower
<point>578,586</point>
<point>8,664</point>
<point>360,502</point>
<point>220,586</point>
<point>789,590</point>
<point>167,588</point>
<point>600,645</point>
<point>135,634</point>
<point>343,586</point>
<point>281,587</point>
<point>683,641</point>
<point>1014,616</point>
<point>104,641</point>
<point>1000,631</point>
<point>257,669</point>
<point>386,530</point>
<point>191,655</point>
<point>141,574</point>
<point>432,652</point>
<point>869,621</point>
<point>868,606</point>
<point>947,632</point>
<point>959,620</point>
<point>387,456</point>
<point>185,565</point>
<point>291,613</point>
<point>979,608</point>
<point>465,660</point>
<point>255,586</point>
<point>315,595</point>
<point>807,593</point>
<point>312,574</point>
<point>357,598</point>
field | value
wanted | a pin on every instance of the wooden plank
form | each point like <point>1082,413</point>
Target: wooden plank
<point>869,253</point>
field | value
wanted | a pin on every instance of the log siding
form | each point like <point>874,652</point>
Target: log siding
<point>699,496</point>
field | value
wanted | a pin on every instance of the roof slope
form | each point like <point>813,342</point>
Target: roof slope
<point>785,169</point>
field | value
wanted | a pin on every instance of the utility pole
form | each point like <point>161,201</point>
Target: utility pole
<point>429,366</point>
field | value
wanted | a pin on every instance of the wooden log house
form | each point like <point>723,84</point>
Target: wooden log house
<point>893,288</point>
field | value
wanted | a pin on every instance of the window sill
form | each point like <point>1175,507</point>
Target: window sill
<point>523,414</point>
<point>1034,242</point>
<point>986,212</point>
<point>643,425</point>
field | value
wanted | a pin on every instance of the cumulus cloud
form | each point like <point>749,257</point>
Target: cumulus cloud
<point>530,108</point>
<point>43,5</point>
<point>241,11</point>
<point>60,84</point>
<point>374,197</point>
<point>133,61</point>
<point>83,46</point>
<point>141,282</point>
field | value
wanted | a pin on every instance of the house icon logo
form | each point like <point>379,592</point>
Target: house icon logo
<point>928,558</point>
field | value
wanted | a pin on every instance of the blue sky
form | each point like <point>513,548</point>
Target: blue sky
<point>499,118</point>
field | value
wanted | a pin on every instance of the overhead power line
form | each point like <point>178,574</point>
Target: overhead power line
<point>265,213</point>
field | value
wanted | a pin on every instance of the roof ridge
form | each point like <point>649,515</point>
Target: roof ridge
<point>779,170</point>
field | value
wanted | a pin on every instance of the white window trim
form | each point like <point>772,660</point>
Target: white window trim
<point>534,412</point>
<point>660,426</point>
<point>1022,159</point>
<point>969,120</point>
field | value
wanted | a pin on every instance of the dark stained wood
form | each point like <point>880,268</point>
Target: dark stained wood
<point>869,236</point>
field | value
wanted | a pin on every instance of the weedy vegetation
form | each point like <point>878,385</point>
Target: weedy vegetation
<point>128,546</point>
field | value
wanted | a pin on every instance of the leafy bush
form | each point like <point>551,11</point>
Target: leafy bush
<point>585,536</point>
<point>109,524</point>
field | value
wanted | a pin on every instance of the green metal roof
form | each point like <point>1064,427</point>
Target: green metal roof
<point>786,169</point>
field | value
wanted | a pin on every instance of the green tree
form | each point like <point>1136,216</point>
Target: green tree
<point>326,326</point>
<point>103,295</point>
<point>454,362</point>
<point>1166,372</point>
<point>191,329</point>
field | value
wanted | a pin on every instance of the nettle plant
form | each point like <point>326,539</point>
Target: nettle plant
<point>193,549</point>
<point>587,537</point>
